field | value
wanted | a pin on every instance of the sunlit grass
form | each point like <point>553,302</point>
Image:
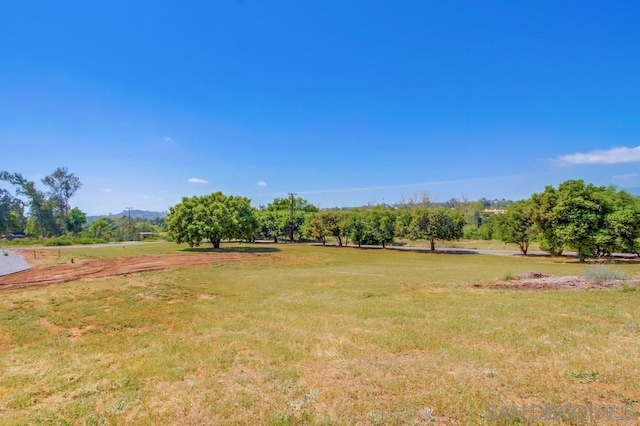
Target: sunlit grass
<point>313,335</point>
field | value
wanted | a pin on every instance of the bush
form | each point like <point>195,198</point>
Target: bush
<point>603,272</point>
<point>68,241</point>
<point>57,241</point>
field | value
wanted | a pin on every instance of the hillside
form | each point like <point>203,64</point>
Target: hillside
<point>135,214</point>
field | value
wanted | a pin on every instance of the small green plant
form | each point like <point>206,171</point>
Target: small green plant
<point>603,272</point>
<point>584,377</point>
<point>625,288</point>
<point>508,277</point>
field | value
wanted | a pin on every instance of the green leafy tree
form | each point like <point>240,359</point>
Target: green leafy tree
<point>317,228</point>
<point>101,228</point>
<point>273,224</point>
<point>12,217</point>
<point>299,212</point>
<point>355,226</point>
<point>76,219</point>
<point>621,231</point>
<point>404,219</point>
<point>545,220</point>
<point>515,226</point>
<point>213,217</point>
<point>38,217</point>
<point>62,186</point>
<point>579,216</point>
<point>437,224</point>
<point>47,211</point>
<point>379,224</point>
<point>330,222</point>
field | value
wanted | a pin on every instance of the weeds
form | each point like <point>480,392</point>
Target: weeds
<point>604,272</point>
<point>584,377</point>
<point>404,340</point>
<point>508,277</point>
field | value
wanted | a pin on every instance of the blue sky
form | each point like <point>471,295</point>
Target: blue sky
<point>343,102</point>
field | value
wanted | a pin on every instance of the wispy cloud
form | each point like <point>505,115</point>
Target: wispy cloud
<point>167,139</point>
<point>410,185</point>
<point>262,184</point>
<point>615,155</point>
<point>197,180</point>
<point>107,190</point>
<point>626,176</point>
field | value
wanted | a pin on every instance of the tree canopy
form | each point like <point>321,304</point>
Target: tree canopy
<point>212,217</point>
<point>47,210</point>
<point>592,220</point>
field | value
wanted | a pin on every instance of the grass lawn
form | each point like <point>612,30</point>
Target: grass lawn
<point>317,335</point>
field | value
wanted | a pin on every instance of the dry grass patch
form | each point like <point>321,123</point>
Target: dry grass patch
<point>315,336</point>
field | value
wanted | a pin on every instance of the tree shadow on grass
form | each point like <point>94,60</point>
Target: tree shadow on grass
<point>232,249</point>
<point>426,250</point>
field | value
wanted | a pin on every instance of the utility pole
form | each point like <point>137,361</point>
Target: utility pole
<point>130,230</point>
<point>291,224</point>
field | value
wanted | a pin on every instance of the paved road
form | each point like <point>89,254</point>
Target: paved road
<point>11,263</point>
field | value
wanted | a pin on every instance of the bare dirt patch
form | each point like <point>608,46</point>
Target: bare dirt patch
<point>100,268</point>
<point>537,281</point>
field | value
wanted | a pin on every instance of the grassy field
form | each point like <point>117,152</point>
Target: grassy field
<point>318,335</point>
<point>471,244</point>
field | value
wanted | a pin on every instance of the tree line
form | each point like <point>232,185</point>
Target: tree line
<point>588,219</point>
<point>49,212</point>
<point>45,212</point>
<point>592,220</point>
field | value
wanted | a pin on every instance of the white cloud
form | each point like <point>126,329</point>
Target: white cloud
<point>197,180</point>
<point>616,155</point>
<point>262,184</point>
<point>107,190</point>
<point>410,185</point>
<point>626,176</point>
<point>167,139</point>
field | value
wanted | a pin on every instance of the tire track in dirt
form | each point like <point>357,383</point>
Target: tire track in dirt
<point>125,265</point>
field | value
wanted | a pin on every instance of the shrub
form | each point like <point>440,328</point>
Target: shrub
<point>603,272</point>
<point>57,241</point>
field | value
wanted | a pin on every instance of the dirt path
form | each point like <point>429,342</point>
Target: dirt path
<point>537,281</point>
<point>100,268</point>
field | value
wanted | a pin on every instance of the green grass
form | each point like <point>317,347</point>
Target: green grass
<point>313,335</point>
<point>469,244</point>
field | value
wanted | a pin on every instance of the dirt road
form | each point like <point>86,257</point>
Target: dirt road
<point>99,268</point>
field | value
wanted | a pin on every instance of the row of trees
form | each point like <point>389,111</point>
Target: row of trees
<point>37,212</point>
<point>589,219</point>
<point>217,217</point>
<point>46,212</point>
<point>121,228</point>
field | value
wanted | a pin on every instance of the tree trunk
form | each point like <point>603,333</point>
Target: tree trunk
<point>432,244</point>
<point>339,241</point>
<point>215,242</point>
<point>275,240</point>
<point>383,245</point>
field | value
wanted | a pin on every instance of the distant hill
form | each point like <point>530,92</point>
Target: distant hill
<point>135,214</point>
